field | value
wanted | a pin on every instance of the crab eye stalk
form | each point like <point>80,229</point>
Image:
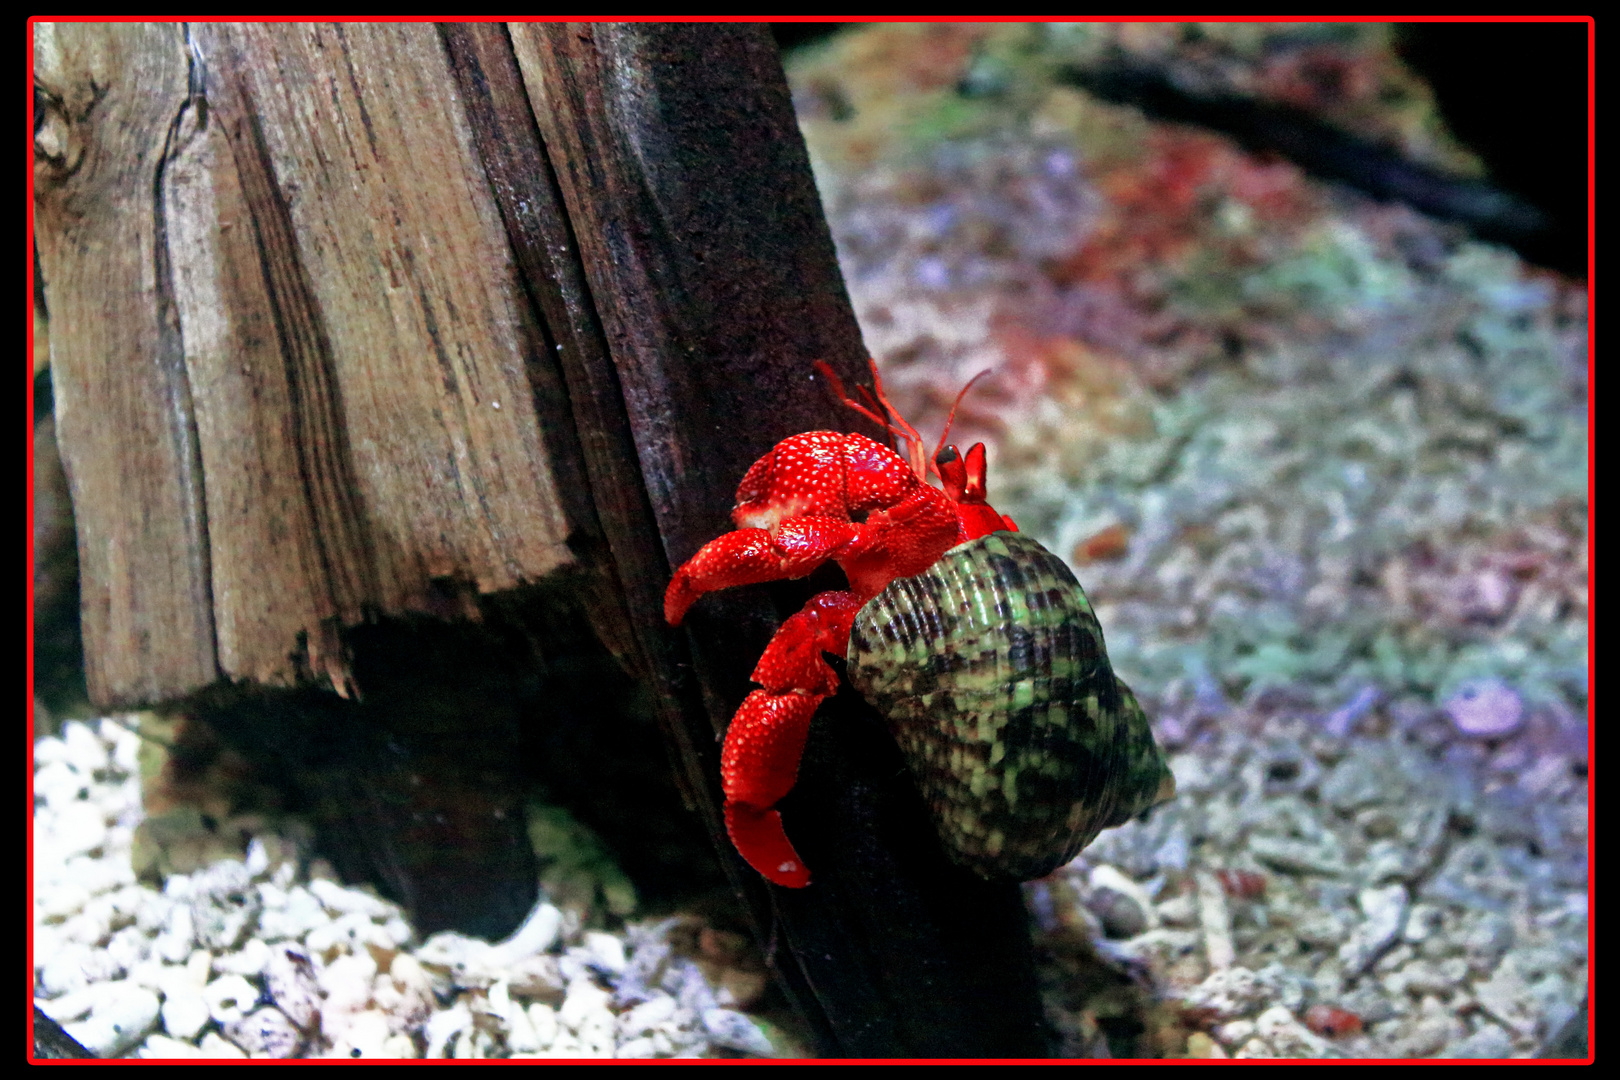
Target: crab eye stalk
<point>952,473</point>
<point>974,491</point>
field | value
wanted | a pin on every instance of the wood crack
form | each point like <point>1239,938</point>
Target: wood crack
<point>170,355</point>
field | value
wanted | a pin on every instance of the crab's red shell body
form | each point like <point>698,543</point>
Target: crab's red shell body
<point>820,496</point>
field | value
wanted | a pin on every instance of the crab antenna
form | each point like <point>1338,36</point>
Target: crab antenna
<point>902,427</point>
<point>873,404</point>
<point>843,395</point>
<point>895,424</point>
<point>951,419</point>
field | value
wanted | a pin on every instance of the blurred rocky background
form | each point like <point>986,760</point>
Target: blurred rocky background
<point>1296,377</point>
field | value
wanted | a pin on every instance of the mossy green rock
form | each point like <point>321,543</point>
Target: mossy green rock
<point>991,669</point>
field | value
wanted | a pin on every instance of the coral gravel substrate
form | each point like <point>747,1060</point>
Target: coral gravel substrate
<point>250,958</point>
<point>1320,464</point>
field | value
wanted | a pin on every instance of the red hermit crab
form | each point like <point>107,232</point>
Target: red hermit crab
<point>977,644</point>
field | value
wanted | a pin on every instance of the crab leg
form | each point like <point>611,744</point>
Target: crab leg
<point>758,765</point>
<point>760,759</point>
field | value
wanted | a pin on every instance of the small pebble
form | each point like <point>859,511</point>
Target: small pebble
<point>638,1048</point>
<point>734,1030</point>
<point>363,1034</point>
<point>1486,709</point>
<point>248,961</point>
<point>1487,940</point>
<point>1229,993</point>
<point>215,1045</point>
<point>1507,998</point>
<point>1489,1041</point>
<point>290,983</point>
<point>1331,1021</point>
<point>543,1019</point>
<point>1384,912</point>
<point>82,748</point>
<point>161,1046</point>
<point>584,999</point>
<point>1179,911</point>
<point>1120,915</point>
<point>124,1014</point>
<point>1286,1036</point>
<point>1216,921</point>
<point>80,827</point>
<point>229,998</point>
<point>607,951</point>
<point>184,1013</point>
<point>444,1026</point>
<point>647,1015</point>
<point>266,1033</point>
<point>347,982</point>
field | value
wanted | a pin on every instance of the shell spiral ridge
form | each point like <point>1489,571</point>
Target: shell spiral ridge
<point>991,669</point>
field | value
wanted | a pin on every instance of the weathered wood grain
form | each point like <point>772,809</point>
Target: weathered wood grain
<point>689,190</point>
<point>426,323</point>
<point>584,418</point>
<point>285,541</point>
<point>712,273</point>
<point>123,404</point>
<point>317,402</point>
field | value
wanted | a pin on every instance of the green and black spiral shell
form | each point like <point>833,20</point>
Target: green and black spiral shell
<point>991,668</point>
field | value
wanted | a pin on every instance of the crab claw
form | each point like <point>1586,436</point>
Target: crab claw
<point>761,840</point>
<point>758,765</point>
<point>824,474</point>
<point>752,556</point>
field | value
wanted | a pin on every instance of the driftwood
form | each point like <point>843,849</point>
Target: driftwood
<point>51,1041</point>
<point>353,322</point>
<point>287,328</point>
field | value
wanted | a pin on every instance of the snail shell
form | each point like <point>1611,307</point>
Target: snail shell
<point>991,669</point>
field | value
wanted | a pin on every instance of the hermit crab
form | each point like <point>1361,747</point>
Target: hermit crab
<point>974,641</point>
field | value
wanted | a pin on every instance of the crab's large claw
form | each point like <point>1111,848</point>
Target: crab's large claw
<point>760,839</point>
<point>821,474</point>
<point>750,556</point>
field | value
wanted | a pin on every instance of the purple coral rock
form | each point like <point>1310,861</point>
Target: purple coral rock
<point>1486,709</point>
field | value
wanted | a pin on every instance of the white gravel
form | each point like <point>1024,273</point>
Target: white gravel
<point>246,958</point>
<point>1300,871</point>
